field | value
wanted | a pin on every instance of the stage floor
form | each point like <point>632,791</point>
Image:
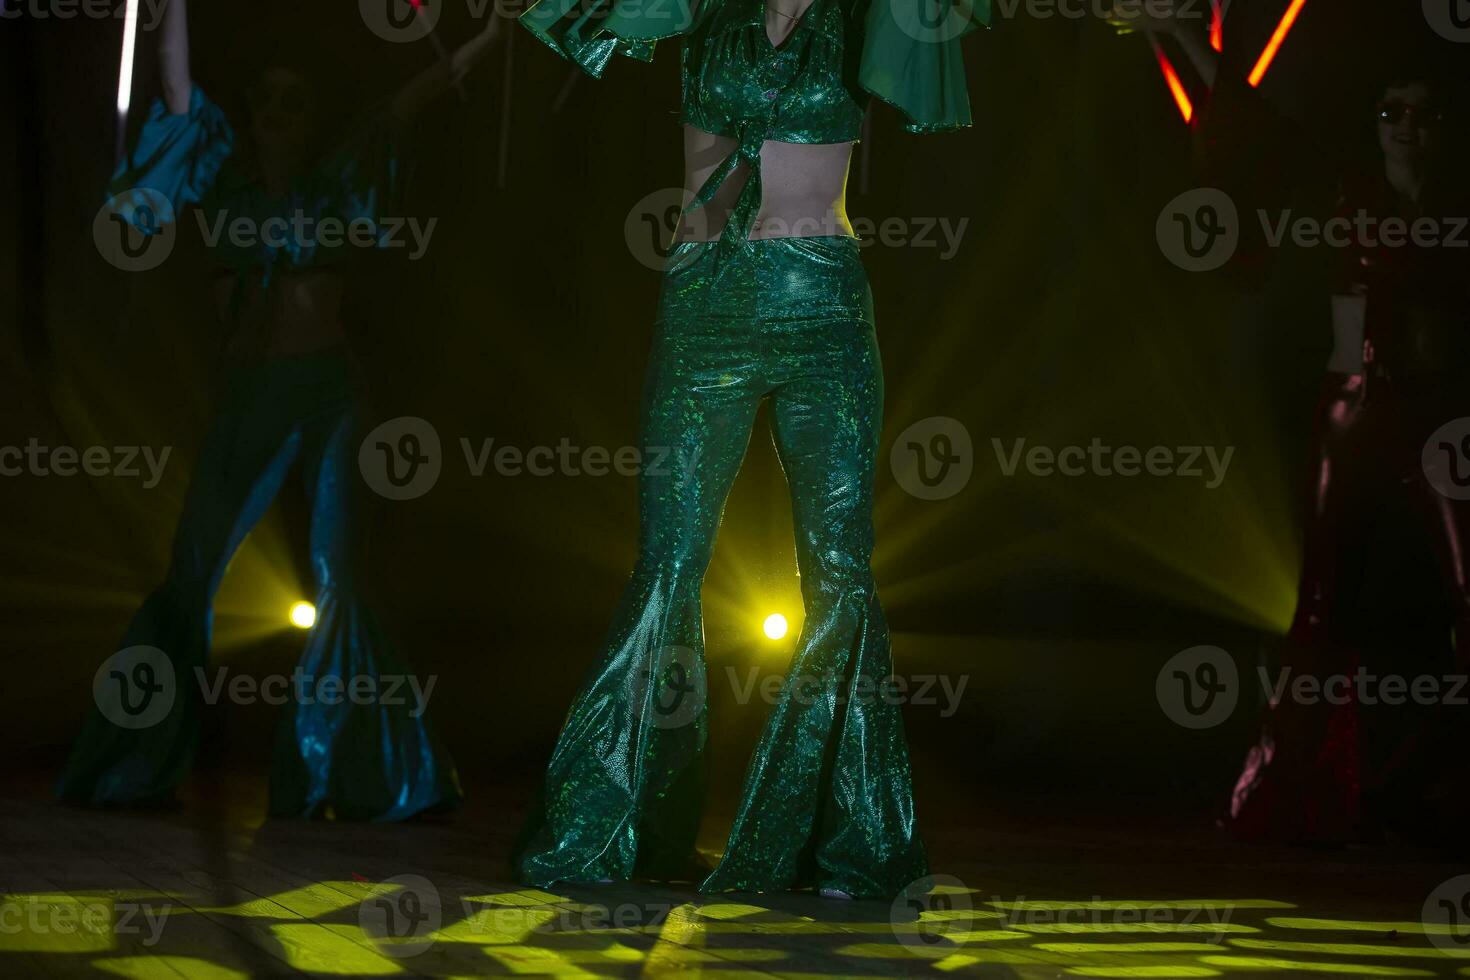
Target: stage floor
<point>211,890</point>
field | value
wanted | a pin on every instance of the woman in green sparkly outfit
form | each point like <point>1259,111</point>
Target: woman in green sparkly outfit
<point>763,297</point>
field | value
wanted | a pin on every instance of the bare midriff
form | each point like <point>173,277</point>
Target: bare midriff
<point>298,314</point>
<point>803,188</point>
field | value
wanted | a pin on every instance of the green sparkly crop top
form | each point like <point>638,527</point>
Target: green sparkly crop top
<point>811,88</point>
<point>736,81</point>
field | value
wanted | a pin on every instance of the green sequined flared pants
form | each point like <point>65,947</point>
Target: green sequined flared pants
<point>827,800</point>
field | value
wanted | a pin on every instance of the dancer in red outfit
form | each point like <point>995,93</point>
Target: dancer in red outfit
<point>1398,373</point>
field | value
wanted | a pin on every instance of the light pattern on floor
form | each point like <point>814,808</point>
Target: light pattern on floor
<point>407,927</point>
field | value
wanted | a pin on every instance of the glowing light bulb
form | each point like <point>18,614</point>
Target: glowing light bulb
<point>303,615</point>
<point>775,626</point>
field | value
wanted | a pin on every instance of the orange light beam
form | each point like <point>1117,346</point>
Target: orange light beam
<point>1217,25</point>
<point>1171,77</point>
<point>1288,20</point>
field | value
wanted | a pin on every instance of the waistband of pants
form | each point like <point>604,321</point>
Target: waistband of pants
<point>318,378</point>
<point>843,245</point>
<point>795,278</point>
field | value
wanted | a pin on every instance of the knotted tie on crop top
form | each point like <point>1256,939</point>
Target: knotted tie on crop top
<point>737,83</point>
<point>811,88</point>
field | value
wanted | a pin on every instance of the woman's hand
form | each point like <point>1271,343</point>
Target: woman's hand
<point>431,83</point>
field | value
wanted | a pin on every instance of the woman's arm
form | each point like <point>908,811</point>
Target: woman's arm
<point>432,82</point>
<point>183,143</point>
<point>173,58</point>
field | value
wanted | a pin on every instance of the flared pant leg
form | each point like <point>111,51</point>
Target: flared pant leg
<point>366,752</point>
<point>1301,780</point>
<point>828,798</point>
<point>624,789</point>
<point>271,417</point>
<point>241,466</point>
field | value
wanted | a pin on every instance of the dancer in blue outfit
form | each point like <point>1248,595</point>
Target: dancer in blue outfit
<point>290,399</point>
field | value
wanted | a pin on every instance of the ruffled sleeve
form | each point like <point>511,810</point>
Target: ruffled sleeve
<point>912,60</point>
<point>178,156</point>
<point>590,32</point>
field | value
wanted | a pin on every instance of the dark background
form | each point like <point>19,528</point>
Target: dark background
<point>1058,320</point>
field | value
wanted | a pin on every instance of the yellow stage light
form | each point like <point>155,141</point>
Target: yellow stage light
<point>303,614</point>
<point>775,626</point>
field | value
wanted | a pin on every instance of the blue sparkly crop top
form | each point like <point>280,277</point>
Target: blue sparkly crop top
<point>183,159</point>
<point>813,87</point>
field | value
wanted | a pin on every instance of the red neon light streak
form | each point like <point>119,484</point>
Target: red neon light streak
<point>1288,20</point>
<point>1171,77</point>
<point>1217,25</point>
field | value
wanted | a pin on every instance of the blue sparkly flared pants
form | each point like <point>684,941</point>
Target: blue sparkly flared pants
<point>371,757</point>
